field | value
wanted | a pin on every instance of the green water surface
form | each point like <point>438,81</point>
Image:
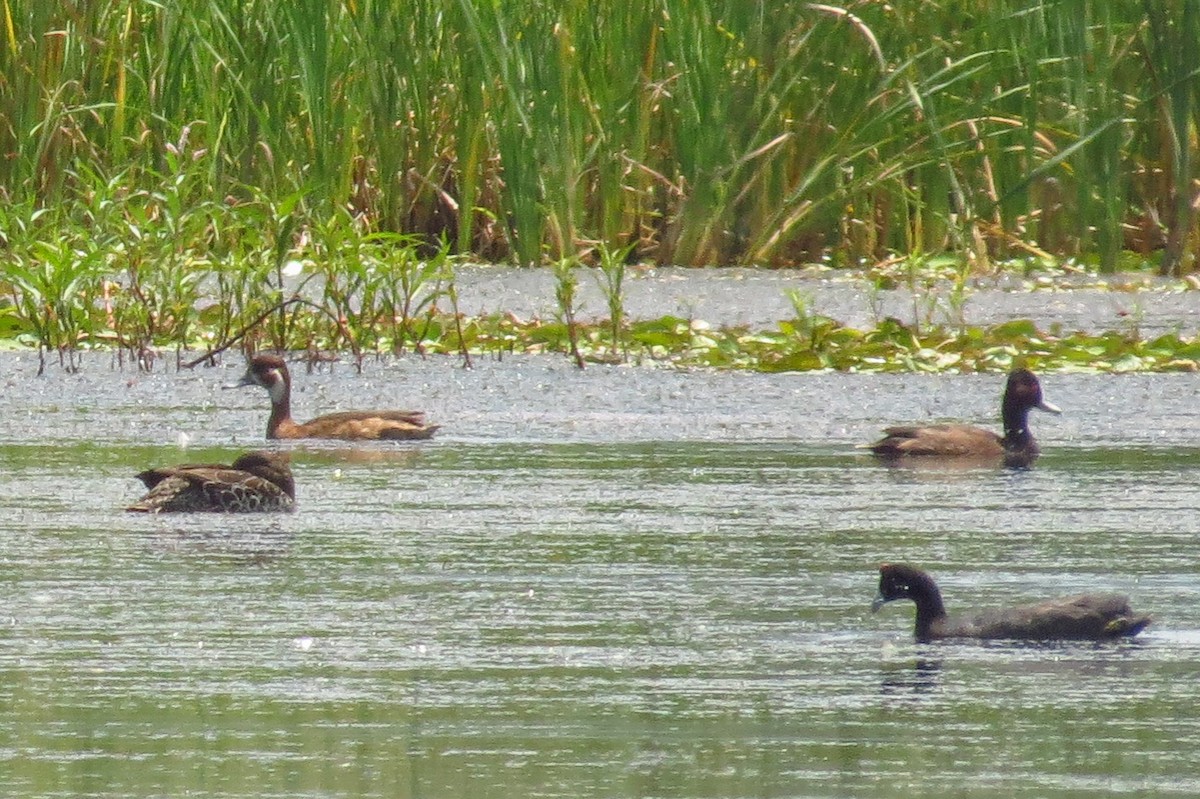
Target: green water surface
<point>616,582</point>
<point>675,619</point>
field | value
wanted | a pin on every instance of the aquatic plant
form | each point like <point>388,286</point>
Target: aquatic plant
<point>611,279</point>
<point>412,283</point>
<point>566,284</point>
<point>53,287</point>
<point>815,342</point>
<point>210,174</point>
<point>1173,61</point>
<point>705,134</point>
<point>340,289</point>
<point>348,273</point>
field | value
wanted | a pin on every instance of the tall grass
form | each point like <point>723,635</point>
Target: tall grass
<point>711,132</point>
<point>1174,62</point>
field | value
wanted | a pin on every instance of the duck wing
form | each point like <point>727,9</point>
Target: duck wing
<point>199,489</point>
<point>359,425</point>
<point>408,417</point>
<point>938,440</point>
<point>1086,617</point>
<point>152,477</point>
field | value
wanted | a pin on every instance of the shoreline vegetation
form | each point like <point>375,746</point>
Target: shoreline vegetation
<point>362,309</point>
<point>308,175</point>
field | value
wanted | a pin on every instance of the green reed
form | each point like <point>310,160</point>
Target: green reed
<point>566,287</point>
<point>611,279</point>
<point>411,283</point>
<point>53,292</point>
<point>1174,63</point>
<point>706,133</point>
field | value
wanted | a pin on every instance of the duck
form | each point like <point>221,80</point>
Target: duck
<point>254,483</point>
<point>271,372</point>
<point>1015,449</point>
<point>1081,617</point>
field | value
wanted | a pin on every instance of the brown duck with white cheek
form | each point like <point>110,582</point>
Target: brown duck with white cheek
<point>1016,448</point>
<point>1082,617</point>
<point>257,482</point>
<point>271,372</point>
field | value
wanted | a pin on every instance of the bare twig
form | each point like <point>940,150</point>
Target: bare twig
<point>212,353</point>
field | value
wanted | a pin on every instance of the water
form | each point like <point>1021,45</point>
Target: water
<point>622,582</point>
<point>759,298</point>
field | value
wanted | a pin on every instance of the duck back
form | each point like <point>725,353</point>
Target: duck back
<point>256,482</point>
<point>1083,617</point>
<point>362,426</point>
<point>946,440</point>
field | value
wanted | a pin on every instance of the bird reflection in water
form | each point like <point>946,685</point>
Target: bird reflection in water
<point>920,676</point>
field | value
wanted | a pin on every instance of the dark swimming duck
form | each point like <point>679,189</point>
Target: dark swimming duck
<point>256,482</point>
<point>1083,617</point>
<point>270,372</point>
<point>1016,448</point>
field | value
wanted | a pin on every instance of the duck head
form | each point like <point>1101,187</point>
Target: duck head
<point>902,581</point>
<point>270,372</point>
<point>1024,391</point>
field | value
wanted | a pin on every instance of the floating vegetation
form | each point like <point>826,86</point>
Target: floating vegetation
<point>811,343</point>
<point>820,343</point>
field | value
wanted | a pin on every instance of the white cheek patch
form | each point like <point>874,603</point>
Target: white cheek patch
<point>276,388</point>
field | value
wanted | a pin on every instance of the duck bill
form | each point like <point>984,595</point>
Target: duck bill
<point>1048,407</point>
<point>247,380</point>
<point>879,601</point>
